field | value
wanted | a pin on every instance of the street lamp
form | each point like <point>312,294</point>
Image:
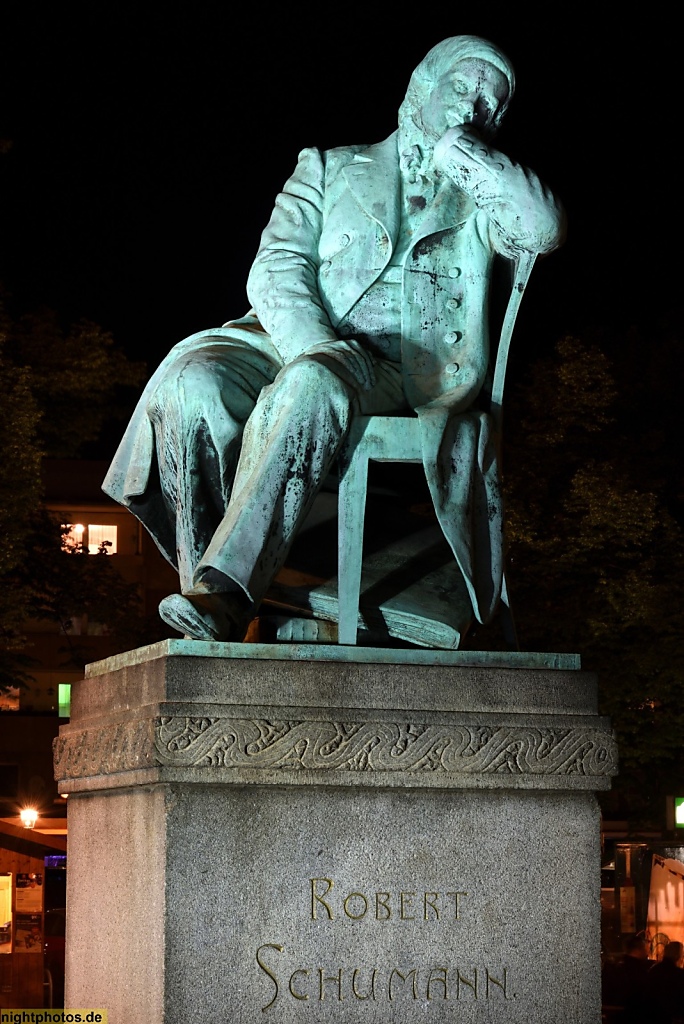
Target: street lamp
<point>29,817</point>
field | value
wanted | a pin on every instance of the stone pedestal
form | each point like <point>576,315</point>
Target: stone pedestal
<point>324,834</point>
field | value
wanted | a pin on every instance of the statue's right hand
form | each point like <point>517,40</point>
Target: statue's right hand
<point>470,163</point>
<point>351,355</point>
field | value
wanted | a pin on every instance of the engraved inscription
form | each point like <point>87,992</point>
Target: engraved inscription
<point>455,982</point>
<point>404,905</point>
<point>264,968</point>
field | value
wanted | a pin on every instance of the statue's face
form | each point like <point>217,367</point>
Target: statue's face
<point>470,93</point>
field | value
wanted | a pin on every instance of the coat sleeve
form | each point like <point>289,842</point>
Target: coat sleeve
<point>524,214</point>
<point>283,281</point>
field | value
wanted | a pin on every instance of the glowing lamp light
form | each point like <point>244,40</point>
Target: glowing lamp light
<point>29,817</point>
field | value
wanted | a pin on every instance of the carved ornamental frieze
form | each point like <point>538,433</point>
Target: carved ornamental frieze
<point>221,744</point>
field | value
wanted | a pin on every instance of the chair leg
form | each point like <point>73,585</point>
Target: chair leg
<point>351,512</point>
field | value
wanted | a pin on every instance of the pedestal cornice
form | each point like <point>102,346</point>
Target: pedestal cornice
<point>170,714</point>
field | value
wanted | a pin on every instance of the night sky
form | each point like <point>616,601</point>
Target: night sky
<point>149,141</point>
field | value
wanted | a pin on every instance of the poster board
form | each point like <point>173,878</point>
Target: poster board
<point>28,933</point>
<point>29,893</point>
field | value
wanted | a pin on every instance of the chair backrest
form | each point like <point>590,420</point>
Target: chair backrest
<point>397,439</point>
<point>523,269</point>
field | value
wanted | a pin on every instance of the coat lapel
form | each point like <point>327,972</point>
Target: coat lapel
<point>450,209</point>
<point>373,178</point>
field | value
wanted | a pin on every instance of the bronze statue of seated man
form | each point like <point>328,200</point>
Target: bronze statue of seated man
<point>369,295</point>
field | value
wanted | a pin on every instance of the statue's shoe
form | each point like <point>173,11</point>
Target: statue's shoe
<point>207,617</point>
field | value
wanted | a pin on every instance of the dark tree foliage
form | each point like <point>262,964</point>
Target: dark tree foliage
<point>596,542</point>
<point>78,379</point>
<point>58,389</point>
<point>63,584</point>
<point>20,495</point>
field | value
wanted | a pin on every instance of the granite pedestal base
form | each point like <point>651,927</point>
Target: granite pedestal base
<point>274,837</point>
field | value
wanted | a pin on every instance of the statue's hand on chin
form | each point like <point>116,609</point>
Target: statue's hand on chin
<point>470,163</point>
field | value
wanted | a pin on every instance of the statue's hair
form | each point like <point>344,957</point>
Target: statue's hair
<point>440,60</point>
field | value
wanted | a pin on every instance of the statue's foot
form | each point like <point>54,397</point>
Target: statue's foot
<point>205,617</point>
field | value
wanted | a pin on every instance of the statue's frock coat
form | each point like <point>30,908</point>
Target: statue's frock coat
<point>332,234</point>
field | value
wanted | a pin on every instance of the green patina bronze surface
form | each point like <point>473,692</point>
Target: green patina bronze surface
<point>369,297</point>
<point>335,652</point>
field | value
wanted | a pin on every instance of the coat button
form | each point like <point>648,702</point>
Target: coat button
<point>452,368</point>
<point>452,337</point>
<point>453,303</point>
<point>326,265</point>
<point>454,272</point>
<point>345,240</point>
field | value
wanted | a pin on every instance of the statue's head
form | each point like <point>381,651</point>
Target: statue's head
<point>463,80</point>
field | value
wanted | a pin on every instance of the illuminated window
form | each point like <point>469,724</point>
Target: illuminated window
<point>64,700</point>
<point>74,536</point>
<point>101,536</point>
<point>94,537</point>
<point>9,699</point>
